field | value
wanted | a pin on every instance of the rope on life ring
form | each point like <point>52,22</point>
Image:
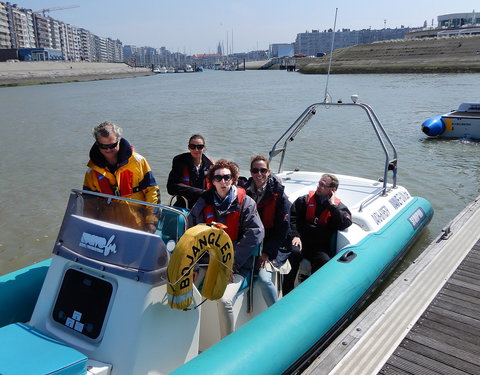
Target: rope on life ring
<point>195,242</point>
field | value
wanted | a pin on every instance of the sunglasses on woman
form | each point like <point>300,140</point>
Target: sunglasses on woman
<point>107,147</point>
<point>191,146</point>
<point>256,170</point>
<point>219,177</point>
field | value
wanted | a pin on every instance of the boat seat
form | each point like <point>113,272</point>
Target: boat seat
<point>26,350</point>
<point>172,226</point>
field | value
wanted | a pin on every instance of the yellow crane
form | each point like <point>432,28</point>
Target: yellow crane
<point>47,10</point>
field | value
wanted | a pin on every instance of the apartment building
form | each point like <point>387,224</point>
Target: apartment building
<point>315,42</point>
<point>24,28</point>
<point>5,41</point>
<point>22,32</point>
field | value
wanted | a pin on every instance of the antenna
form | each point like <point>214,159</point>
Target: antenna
<point>327,95</point>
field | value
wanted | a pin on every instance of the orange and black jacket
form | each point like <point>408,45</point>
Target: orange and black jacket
<point>132,177</point>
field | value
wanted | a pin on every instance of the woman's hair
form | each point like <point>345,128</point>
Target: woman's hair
<point>222,163</point>
<point>105,129</point>
<point>259,157</point>
<point>196,136</point>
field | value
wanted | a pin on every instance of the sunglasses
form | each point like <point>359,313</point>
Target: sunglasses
<point>256,170</point>
<point>191,146</point>
<point>323,184</point>
<point>106,147</point>
<point>219,177</point>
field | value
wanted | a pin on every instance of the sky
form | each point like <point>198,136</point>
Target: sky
<point>198,26</point>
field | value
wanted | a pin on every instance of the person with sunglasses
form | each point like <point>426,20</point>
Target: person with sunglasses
<point>187,179</point>
<point>115,169</point>
<point>274,209</point>
<point>315,219</point>
<point>228,204</point>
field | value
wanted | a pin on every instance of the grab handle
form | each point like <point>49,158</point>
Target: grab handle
<point>347,257</point>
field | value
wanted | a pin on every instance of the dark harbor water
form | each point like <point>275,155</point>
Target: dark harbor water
<point>46,136</point>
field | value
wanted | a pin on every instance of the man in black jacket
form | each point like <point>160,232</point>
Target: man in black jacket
<point>315,219</point>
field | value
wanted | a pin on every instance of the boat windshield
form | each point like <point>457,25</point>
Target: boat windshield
<point>167,222</point>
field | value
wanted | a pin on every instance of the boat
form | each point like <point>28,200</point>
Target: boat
<point>102,303</point>
<point>163,70</point>
<point>171,69</point>
<point>188,68</point>
<point>461,123</point>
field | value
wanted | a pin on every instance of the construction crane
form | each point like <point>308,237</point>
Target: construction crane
<point>47,10</point>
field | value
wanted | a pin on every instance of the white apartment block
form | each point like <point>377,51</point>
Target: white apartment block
<point>44,35</point>
<point>22,27</point>
<point>5,41</point>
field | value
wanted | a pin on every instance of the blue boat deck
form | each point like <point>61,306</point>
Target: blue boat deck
<point>427,321</point>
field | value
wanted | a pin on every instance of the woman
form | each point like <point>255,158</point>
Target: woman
<point>187,179</point>
<point>274,208</point>
<point>225,203</point>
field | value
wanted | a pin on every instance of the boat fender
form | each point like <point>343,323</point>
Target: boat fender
<point>434,126</point>
<point>195,242</point>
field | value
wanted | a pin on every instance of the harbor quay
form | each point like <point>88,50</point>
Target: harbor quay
<point>39,72</point>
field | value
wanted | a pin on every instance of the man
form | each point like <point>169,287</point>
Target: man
<point>115,169</point>
<point>315,219</point>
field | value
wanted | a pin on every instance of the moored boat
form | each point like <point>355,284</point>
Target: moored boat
<point>461,123</point>
<point>104,300</point>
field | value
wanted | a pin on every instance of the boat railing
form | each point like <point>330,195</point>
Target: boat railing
<point>280,146</point>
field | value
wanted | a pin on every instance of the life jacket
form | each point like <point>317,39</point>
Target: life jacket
<point>233,218</point>
<point>126,181</point>
<point>186,178</point>
<point>311,208</point>
<point>267,209</point>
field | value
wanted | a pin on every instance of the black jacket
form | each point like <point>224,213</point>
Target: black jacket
<point>317,237</point>
<point>275,236</point>
<point>176,184</point>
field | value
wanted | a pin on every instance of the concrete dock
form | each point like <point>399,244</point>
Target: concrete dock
<point>427,321</point>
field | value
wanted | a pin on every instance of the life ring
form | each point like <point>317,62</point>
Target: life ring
<point>191,246</point>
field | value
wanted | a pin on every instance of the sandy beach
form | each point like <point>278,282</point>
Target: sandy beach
<point>40,72</point>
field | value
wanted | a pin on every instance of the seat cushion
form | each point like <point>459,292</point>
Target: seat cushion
<point>26,350</point>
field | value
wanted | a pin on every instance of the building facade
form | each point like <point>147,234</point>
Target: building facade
<point>24,28</point>
<point>315,42</point>
<point>5,41</point>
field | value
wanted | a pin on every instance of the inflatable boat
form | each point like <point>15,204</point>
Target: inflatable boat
<point>105,303</point>
<point>462,123</point>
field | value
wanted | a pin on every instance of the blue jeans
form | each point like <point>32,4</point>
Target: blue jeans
<point>265,283</point>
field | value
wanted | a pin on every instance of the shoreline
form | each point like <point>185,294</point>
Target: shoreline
<point>24,73</point>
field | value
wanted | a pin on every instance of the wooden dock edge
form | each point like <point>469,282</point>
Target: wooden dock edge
<point>365,345</point>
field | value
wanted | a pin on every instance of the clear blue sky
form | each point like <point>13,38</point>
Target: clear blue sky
<point>197,26</point>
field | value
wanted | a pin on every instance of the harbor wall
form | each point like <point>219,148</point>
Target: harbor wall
<point>39,72</point>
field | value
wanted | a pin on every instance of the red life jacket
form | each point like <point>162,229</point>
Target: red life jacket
<point>126,181</point>
<point>311,208</point>
<point>267,209</point>
<point>233,218</point>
